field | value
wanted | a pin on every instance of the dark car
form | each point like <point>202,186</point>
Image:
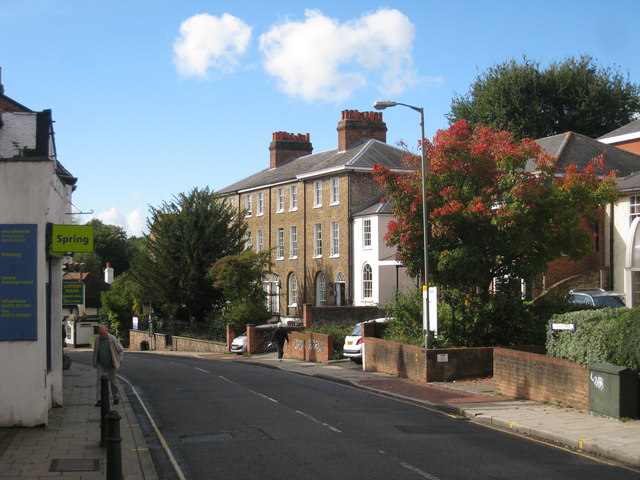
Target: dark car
<point>597,298</point>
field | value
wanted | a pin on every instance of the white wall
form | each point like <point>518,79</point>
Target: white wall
<point>32,193</point>
<point>18,131</point>
<point>387,272</point>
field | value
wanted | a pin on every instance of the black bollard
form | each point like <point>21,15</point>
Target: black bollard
<point>114,454</point>
<point>104,409</point>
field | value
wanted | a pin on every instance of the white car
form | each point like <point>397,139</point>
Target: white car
<point>352,348</point>
<point>239,344</point>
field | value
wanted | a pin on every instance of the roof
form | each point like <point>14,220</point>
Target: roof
<point>624,133</point>
<point>376,207</point>
<point>573,148</point>
<point>361,156</point>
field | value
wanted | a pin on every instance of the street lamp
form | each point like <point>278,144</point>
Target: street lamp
<point>381,105</point>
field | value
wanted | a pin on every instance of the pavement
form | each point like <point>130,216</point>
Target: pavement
<point>69,446</point>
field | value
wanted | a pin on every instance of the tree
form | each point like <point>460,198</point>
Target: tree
<point>572,95</point>
<point>240,277</point>
<point>110,245</point>
<point>489,217</point>
<point>119,305</point>
<point>187,235</point>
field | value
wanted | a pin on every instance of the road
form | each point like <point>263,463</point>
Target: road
<point>223,419</point>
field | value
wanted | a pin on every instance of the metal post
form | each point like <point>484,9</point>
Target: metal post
<point>114,453</point>
<point>104,409</point>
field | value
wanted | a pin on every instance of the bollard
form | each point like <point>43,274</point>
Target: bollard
<point>114,453</point>
<point>104,409</point>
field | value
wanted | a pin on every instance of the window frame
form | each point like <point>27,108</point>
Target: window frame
<point>366,233</point>
<point>335,239</point>
<point>317,194</point>
<point>317,240</point>
<point>335,191</point>
<point>280,243</point>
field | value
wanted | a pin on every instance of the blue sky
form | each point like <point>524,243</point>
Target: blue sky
<point>152,98</point>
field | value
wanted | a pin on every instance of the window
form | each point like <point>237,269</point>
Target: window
<point>293,198</point>
<point>280,244</point>
<point>317,194</point>
<point>317,240</point>
<point>634,207</point>
<point>260,206</point>
<point>271,286</point>
<point>280,200</point>
<point>293,242</point>
<point>259,241</point>
<point>335,239</point>
<point>367,281</point>
<point>366,233</point>
<point>293,290</point>
<point>247,205</point>
<point>321,290</point>
<point>335,191</point>
<point>248,242</point>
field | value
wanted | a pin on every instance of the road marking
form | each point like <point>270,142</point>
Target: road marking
<point>163,442</point>
<point>314,419</point>
<point>201,369</point>
<point>422,473</point>
<point>264,396</point>
<point>582,440</point>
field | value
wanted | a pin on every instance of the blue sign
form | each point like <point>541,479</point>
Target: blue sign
<point>18,282</point>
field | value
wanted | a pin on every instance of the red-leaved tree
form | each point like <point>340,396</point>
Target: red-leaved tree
<point>496,207</point>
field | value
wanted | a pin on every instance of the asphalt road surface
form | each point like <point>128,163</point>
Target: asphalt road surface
<point>228,420</point>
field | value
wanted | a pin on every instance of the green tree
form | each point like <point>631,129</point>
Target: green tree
<point>110,245</point>
<point>187,235</point>
<point>240,277</point>
<point>118,305</point>
<point>489,216</point>
<point>573,95</point>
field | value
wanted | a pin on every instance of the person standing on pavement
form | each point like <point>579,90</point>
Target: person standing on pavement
<point>279,337</point>
<point>107,356</point>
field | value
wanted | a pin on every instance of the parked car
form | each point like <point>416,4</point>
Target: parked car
<point>352,348</point>
<point>239,344</point>
<point>596,298</point>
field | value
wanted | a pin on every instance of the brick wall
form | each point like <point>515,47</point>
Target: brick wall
<point>540,378</point>
<point>309,346</point>
<point>394,358</point>
<point>632,146</point>
<point>194,345</point>
<point>448,364</point>
<point>137,336</point>
<point>342,316</point>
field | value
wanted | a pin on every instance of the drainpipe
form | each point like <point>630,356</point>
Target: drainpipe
<point>611,249</point>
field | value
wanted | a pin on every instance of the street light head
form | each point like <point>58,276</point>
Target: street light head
<point>381,105</point>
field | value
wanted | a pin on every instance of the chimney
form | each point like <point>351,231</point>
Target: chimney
<point>108,274</point>
<point>356,126</point>
<point>286,145</point>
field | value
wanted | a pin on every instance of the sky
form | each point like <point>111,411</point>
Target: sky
<point>152,98</point>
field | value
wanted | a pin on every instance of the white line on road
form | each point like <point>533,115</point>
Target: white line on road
<point>313,419</point>
<point>201,369</point>
<point>422,473</point>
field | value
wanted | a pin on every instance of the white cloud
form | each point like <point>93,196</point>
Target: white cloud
<point>321,59</point>
<point>208,42</point>
<point>133,223</point>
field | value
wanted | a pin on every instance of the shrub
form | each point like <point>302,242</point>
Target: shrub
<point>405,314</point>
<point>338,333</point>
<point>601,336</point>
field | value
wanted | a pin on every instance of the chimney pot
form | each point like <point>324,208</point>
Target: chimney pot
<point>356,126</point>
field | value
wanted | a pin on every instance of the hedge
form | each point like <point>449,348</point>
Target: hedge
<point>609,335</point>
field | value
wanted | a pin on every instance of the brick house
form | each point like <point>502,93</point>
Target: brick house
<point>599,266</point>
<point>626,137</point>
<point>301,208</point>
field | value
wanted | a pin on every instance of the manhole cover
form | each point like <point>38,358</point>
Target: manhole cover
<point>75,465</point>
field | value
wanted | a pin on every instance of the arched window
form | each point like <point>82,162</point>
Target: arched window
<point>321,289</point>
<point>367,281</point>
<point>293,290</point>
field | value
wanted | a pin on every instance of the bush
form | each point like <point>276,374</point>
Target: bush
<point>405,319</point>
<point>602,336</point>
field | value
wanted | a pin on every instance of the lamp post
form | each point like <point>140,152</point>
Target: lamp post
<point>381,105</point>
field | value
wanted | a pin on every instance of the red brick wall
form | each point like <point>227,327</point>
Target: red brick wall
<point>540,378</point>
<point>446,364</point>
<point>394,358</point>
<point>309,346</point>
<point>632,146</point>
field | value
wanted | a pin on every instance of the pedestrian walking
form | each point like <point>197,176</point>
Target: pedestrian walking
<point>107,356</point>
<point>279,337</point>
